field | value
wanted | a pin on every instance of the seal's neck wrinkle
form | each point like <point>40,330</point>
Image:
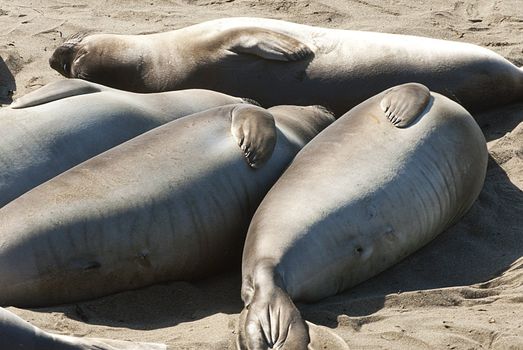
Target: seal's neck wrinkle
<point>153,64</point>
<point>185,59</point>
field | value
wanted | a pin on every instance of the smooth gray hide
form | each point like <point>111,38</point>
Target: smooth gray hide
<point>277,62</point>
<point>173,203</point>
<point>360,197</point>
<point>16,333</point>
<point>60,125</point>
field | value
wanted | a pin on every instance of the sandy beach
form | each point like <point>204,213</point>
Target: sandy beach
<point>462,291</point>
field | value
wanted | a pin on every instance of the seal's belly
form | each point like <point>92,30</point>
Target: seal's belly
<point>385,193</point>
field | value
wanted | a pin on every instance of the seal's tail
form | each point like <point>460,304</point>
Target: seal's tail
<point>272,321</point>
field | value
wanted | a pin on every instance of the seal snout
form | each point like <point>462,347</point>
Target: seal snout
<point>61,60</point>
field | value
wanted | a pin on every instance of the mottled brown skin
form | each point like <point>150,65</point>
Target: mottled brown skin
<point>256,57</point>
<point>372,188</point>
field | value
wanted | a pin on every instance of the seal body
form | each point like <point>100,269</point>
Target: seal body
<point>253,57</point>
<point>375,186</point>
<point>64,123</point>
<point>18,334</point>
<point>173,203</point>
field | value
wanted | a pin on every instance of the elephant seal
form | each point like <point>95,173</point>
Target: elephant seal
<point>254,57</point>
<point>173,203</point>
<point>60,125</point>
<point>375,186</point>
<point>15,333</point>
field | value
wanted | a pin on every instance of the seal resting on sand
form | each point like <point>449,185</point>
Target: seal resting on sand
<point>18,334</point>
<point>173,203</point>
<point>58,126</point>
<point>256,57</point>
<point>372,188</point>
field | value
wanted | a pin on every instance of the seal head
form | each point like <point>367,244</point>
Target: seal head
<point>63,57</point>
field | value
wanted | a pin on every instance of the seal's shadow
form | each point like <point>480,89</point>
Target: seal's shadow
<point>161,305</point>
<point>497,122</point>
<point>7,83</point>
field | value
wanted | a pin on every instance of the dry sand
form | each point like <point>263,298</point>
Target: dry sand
<point>463,291</point>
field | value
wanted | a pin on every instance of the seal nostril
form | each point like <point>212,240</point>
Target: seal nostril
<point>359,250</point>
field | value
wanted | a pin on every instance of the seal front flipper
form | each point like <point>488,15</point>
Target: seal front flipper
<point>254,130</point>
<point>403,104</point>
<point>55,91</point>
<point>267,44</point>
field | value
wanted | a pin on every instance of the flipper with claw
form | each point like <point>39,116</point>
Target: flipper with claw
<point>255,132</point>
<point>403,104</point>
<point>56,91</point>
<point>267,44</point>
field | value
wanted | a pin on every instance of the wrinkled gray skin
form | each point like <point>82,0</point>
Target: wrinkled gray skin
<point>372,188</point>
<point>60,125</point>
<point>254,57</point>
<point>16,333</point>
<point>173,203</point>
